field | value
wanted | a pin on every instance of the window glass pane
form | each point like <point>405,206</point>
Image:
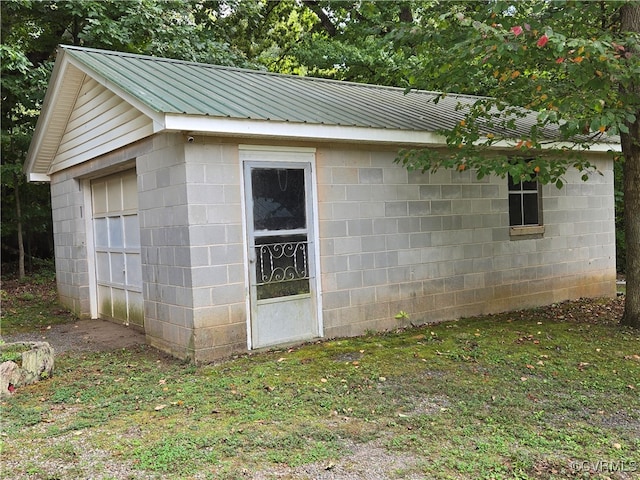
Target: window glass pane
<point>515,209</point>
<point>133,270</point>
<point>278,198</point>
<point>130,192</point>
<point>102,237</point>
<point>530,206</point>
<point>513,186</point>
<point>114,194</point>
<point>530,186</point>
<point>117,268</point>
<point>115,232</point>
<point>131,231</point>
<point>103,270</point>
<point>99,190</point>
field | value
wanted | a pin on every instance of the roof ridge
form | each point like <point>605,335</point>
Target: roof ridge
<point>265,72</point>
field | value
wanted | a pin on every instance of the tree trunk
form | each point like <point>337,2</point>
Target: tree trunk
<point>21,272</point>
<point>630,22</point>
<point>632,224</point>
<point>325,21</point>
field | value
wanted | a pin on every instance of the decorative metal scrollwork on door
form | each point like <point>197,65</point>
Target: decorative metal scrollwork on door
<point>282,269</point>
<point>281,262</point>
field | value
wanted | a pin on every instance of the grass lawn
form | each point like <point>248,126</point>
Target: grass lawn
<point>545,393</point>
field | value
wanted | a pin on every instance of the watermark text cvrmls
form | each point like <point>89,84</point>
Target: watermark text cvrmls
<point>604,466</point>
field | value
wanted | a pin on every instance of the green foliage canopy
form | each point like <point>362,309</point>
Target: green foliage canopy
<point>569,61</point>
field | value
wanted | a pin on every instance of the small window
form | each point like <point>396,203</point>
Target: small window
<point>525,212</point>
<point>524,206</point>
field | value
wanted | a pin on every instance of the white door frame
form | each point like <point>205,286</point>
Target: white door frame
<point>90,247</point>
<point>260,153</point>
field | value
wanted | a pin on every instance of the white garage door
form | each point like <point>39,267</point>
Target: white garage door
<point>117,243</point>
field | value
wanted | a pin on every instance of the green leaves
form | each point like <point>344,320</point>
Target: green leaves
<point>566,60</point>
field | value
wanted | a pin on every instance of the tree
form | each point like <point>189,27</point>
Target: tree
<point>576,63</point>
<point>360,41</point>
<point>25,208</point>
<point>31,31</point>
<point>244,33</point>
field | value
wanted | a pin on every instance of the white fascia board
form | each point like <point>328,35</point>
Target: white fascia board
<point>38,177</point>
<point>46,111</point>
<point>298,131</point>
<point>308,131</point>
<point>599,147</point>
<point>157,117</point>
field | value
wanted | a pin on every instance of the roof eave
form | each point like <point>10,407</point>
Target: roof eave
<point>37,177</point>
<point>344,133</point>
<point>599,147</point>
<point>299,131</point>
<point>46,112</point>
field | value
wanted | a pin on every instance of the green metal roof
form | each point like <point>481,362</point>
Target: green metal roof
<point>187,88</point>
<point>194,97</point>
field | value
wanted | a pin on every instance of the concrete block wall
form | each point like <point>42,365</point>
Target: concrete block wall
<point>165,253</point>
<point>69,236</point>
<point>213,179</point>
<point>437,246</point>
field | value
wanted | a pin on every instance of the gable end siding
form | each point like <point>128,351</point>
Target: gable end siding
<point>99,123</point>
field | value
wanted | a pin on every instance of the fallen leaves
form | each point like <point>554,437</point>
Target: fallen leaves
<point>583,365</point>
<point>527,338</point>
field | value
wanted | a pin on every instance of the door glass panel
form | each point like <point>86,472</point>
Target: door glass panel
<point>278,198</point>
<point>115,232</point>
<point>103,268</point>
<point>101,232</point>
<point>133,269</point>
<point>117,268</point>
<point>282,266</point>
<point>131,231</point>
<point>114,194</point>
<point>99,198</point>
<point>130,192</point>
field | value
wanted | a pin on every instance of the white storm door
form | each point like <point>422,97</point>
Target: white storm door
<point>117,247</point>
<point>280,241</point>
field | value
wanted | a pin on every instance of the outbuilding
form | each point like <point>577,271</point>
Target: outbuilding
<point>221,210</point>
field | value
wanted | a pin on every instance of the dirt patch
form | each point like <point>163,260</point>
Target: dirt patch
<point>583,310</point>
<point>368,461</point>
<point>83,335</point>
